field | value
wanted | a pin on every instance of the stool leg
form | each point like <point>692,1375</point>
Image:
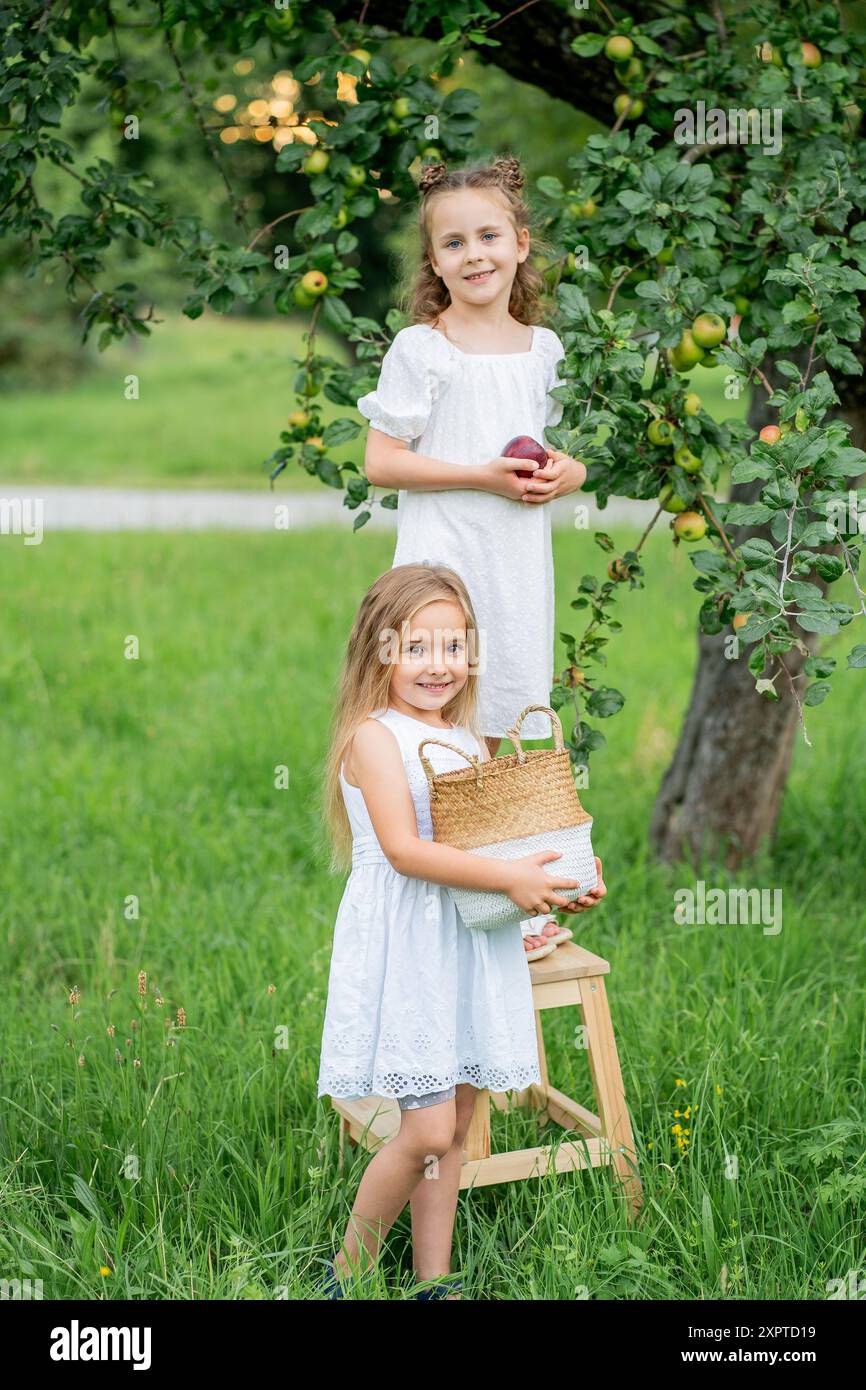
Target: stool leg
<point>534,1097</point>
<point>343,1140</point>
<point>609,1092</point>
<point>477,1141</point>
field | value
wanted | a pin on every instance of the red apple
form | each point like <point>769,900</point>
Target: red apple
<point>523,446</point>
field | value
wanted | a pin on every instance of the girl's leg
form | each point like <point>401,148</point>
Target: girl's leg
<point>390,1179</point>
<point>434,1200</point>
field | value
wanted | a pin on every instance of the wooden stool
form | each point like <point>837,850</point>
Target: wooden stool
<point>570,975</point>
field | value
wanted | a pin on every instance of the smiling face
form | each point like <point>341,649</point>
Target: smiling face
<point>474,246</point>
<point>433,663</point>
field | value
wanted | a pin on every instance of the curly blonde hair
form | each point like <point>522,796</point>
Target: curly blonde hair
<point>428,295</point>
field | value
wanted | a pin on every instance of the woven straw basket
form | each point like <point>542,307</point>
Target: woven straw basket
<point>510,807</point>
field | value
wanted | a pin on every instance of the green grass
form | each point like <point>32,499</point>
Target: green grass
<point>210,1171</point>
<point>214,394</point>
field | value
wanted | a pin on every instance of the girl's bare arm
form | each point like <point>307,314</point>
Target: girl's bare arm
<point>389,462</point>
<point>377,768</point>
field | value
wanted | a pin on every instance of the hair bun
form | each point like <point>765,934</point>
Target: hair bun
<point>431,175</point>
<point>509,171</point>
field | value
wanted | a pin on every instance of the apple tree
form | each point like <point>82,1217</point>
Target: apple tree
<point>715,218</point>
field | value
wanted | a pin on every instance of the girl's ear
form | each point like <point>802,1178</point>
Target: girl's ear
<point>523,244</point>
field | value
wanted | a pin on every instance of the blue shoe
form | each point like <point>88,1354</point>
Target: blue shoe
<point>330,1285</point>
<point>440,1290</point>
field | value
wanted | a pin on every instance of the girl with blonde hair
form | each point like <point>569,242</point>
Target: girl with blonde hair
<point>473,370</point>
<point>420,1007</point>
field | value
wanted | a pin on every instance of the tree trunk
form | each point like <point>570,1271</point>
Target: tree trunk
<point>722,792</point>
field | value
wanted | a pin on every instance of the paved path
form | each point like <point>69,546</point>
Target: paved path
<point>161,509</point>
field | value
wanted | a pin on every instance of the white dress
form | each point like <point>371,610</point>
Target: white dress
<point>417,1001</point>
<point>464,408</point>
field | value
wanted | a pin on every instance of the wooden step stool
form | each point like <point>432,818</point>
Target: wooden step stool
<point>569,976</point>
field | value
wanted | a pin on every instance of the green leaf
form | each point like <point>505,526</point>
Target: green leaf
<point>336,311</point>
<point>820,666</point>
<point>328,472</point>
<point>756,552</point>
<point>587,45</point>
<point>857,656</point>
<point>221,299</point>
<point>361,520</point>
<point>604,702</point>
<point>750,468</point>
<point>830,567</point>
<point>747,514</point>
<point>551,187</point>
<point>340,432</point>
<point>649,289</point>
<point>817,691</point>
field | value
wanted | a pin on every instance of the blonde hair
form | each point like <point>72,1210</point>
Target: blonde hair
<point>365,681</point>
<point>427,294</point>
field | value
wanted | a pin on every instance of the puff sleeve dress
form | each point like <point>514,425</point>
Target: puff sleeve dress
<point>463,408</point>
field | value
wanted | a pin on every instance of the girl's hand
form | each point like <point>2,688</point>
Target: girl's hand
<point>500,476</point>
<point>559,476</point>
<point>588,900</point>
<point>531,889</point>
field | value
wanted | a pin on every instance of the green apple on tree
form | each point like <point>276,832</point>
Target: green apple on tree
<point>692,403</point>
<point>708,330</point>
<point>686,353</point>
<point>689,462</point>
<point>301,298</point>
<point>625,105</point>
<point>316,163</point>
<point>810,56</point>
<point>618,48</point>
<point>632,71</point>
<point>660,432</point>
<point>769,53</point>
<point>400,108</point>
<point>690,526</point>
<point>314,283</point>
<point>673,503</point>
<point>356,175</point>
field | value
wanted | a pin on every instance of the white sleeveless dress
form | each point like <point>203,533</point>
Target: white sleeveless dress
<point>417,1001</point>
<point>464,408</point>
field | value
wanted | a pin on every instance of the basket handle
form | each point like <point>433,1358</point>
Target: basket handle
<point>425,762</point>
<point>555,727</point>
